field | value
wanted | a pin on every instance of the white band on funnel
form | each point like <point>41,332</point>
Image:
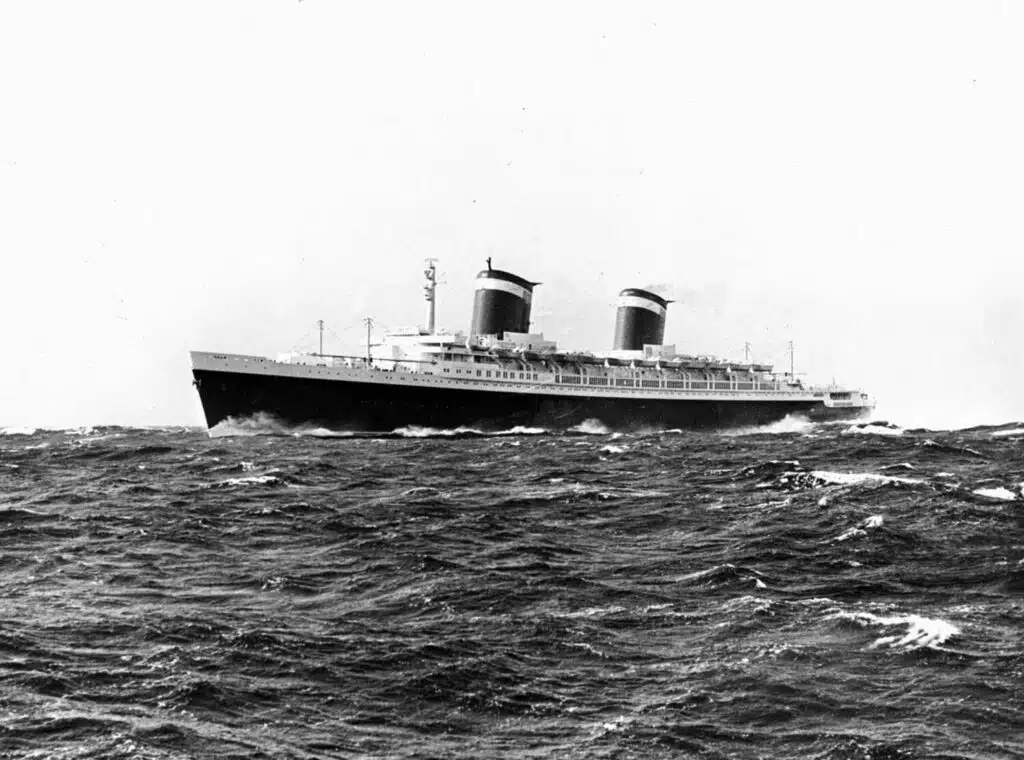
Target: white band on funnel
<point>639,302</point>
<point>492,283</point>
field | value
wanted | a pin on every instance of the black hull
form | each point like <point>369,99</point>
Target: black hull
<point>374,407</point>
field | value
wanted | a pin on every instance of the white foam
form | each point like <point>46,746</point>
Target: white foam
<point>791,423</point>
<point>1000,493</point>
<point>1001,433</point>
<point>591,427</point>
<point>323,433</point>
<point>267,424</point>
<point>252,480</point>
<point>859,478</point>
<point>259,424</point>
<point>523,430</point>
<point>614,449</point>
<point>612,609</point>
<point>18,431</point>
<point>851,533</point>
<point>416,431</point>
<point>873,430</point>
<point>861,531</point>
<point>83,430</point>
<point>920,631</point>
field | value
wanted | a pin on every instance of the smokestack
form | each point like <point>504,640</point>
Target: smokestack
<point>640,320</point>
<point>501,303</point>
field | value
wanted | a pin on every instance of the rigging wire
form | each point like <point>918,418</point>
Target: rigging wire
<point>308,339</point>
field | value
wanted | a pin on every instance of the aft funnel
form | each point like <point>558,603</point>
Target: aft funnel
<point>640,320</point>
<point>502,303</point>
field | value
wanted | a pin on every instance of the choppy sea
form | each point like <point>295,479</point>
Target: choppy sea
<point>796,591</point>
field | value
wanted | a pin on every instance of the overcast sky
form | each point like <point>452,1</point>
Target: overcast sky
<point>220,175</point>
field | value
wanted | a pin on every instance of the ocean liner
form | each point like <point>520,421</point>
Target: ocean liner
<point>500,376</point>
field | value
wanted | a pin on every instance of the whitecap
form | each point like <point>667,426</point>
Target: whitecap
<point>263,423</point>
<point>859,478</point>
<point>999,493</point>
<point>614,449</point>
<point>591,427</point>
<point>523,430</point>
<point>873,430</point>
<point>252,480</point>
<point>417,431</point>
<point>791,423</point>
<point>321,432</point>
<point>81,430</point>
<point>18,431</point>
<point>875,521</point>
<point>851,533</point>
<point>1002,433</point>
<point>612,609</point>
<point>258,424</point>
<point>920,632</point>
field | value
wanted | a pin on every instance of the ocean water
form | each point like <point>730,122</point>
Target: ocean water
<point>797,591</point>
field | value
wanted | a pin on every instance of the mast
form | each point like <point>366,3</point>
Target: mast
<point>320,325</point>
<point>792,372</point>
<point>369,324</point>
<point>430,293</point>
<point>746,352</point>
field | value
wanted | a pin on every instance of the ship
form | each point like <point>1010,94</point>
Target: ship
<point>499,376</point>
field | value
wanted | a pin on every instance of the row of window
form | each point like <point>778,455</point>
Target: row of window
<point>496,374</point>
<point>620,382</point>
<point>693,385</point>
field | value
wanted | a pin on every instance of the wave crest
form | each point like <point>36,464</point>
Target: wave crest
<point>791,423</point>
<point>918,632</point>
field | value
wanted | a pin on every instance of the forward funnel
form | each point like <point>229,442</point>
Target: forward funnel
<point>501,303</point>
